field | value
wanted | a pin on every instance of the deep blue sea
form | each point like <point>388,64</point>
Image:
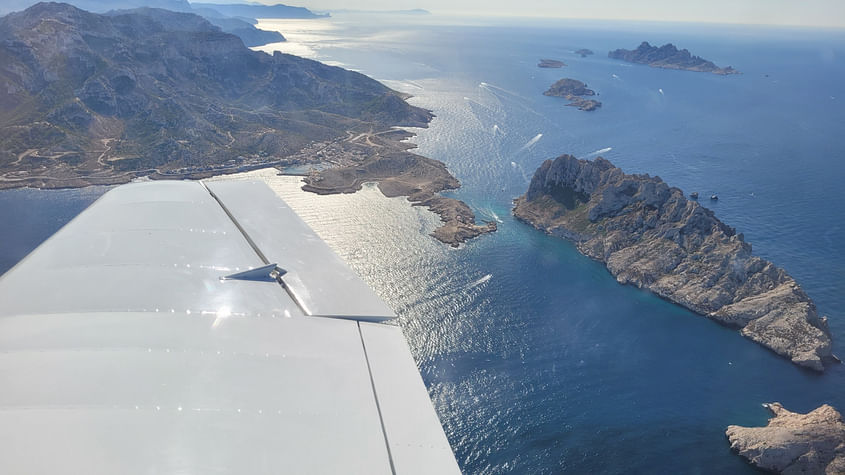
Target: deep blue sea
<point>536,359</point>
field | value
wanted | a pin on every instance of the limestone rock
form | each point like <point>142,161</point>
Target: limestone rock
<point>650,235</point>
<point>812,443</point>
<point>669,57</point>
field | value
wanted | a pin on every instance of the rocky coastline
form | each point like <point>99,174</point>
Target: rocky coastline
<point>383,158</point>
<point>96,100</point>
<point>812,443</point>
<point>650,235</point>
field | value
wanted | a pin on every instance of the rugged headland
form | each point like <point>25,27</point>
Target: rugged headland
<point>649,235</point>
<point>382,157</point>
<point>550,64</point>
<point>103,99</point>
<point>574,90</point>
<point>812,443</point>
<point>669,57</point>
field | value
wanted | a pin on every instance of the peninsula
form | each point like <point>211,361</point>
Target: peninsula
<point>550,63</point>
<point>812,443</point>
<point>649,235</point>
<point>574,90</point>
<point>104,99</point>
<point>669,57</point>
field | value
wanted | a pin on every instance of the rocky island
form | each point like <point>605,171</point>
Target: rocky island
<point>550,64</point>
<point>812,443</point>
<point>649,235</point>
<point>584,52</point>
<point>669,57</point>
<point>574,90</point>
<point>104,99</point>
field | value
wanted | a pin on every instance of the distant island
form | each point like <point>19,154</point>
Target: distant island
<point>812,443</point>
<point>550,63</point>
<point>669,57</point>
<point>584,52</point>
<point>167,95</point>
<point>574,90</point>
<point>258,10</point>
<point>412,12</point>
<point>651,236</point>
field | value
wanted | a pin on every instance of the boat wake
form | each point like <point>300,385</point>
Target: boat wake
<point>480,281</point>
<point>489,86</point>
<point>521,170</point>
<point>597,152</point>
<point>491,214</point>
<point>530,143</point>
<point>471,101</point>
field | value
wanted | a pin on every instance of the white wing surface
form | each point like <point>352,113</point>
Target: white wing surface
<point>123,351</point>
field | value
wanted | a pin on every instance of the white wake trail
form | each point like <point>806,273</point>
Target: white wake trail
<point>598,152</point>
<point>530,143</point>
<point>480,281</point>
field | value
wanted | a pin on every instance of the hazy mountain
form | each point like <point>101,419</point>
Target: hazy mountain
<point>255,10</point>
<point>83,94</point>
<point>101,6</point>
<point>245,30</point>
<point>242,27</point>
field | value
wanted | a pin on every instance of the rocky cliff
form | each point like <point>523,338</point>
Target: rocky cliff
<point>669,57</point>
<point>649,235</point>
<point>812,443</point>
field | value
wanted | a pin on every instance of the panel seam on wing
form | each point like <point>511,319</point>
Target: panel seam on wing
<point>375,397</point>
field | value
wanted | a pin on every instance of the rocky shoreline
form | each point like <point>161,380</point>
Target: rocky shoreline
<point>812,443</point>
<point>384,159</point>
<point>105,104</point>
<point>669,57</point>
<point>574,91</point>
<point>649,235</point>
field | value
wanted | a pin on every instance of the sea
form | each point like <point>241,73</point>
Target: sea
<point>536,359</point>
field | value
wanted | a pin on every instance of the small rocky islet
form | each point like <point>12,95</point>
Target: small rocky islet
<point>650,235</point>
<point>550,64</point>
<point>574,91</point>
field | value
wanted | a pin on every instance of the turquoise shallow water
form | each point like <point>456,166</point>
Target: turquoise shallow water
<point>536,359</point>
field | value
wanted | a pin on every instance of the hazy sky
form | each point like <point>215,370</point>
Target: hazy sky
<point>827,13</point>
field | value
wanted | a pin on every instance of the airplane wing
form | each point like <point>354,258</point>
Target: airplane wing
<point>125,349</point>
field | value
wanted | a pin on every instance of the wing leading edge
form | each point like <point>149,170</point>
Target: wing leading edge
<point>123,351</point>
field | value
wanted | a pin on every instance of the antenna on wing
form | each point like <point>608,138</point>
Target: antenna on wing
<point>268,273</point>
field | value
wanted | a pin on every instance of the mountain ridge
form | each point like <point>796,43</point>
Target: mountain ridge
<point>103,99</point>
